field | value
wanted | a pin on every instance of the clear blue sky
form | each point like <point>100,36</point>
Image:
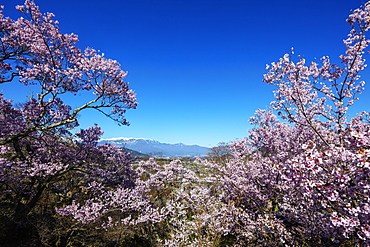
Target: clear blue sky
<point>197,65</point>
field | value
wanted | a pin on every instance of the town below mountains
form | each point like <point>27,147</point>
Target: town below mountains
<point>155,148</point>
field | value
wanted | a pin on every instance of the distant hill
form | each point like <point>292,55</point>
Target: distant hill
<point>158,149</point>
<point>136,153</point>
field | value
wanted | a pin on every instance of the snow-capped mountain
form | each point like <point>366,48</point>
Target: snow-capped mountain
<point>155,148</point>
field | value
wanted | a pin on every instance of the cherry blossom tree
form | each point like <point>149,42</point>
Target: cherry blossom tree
<point>43,164</point>
<point>302,176</point>
<point>37,53</point>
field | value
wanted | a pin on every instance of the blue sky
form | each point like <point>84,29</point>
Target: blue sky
<point>197,65</point>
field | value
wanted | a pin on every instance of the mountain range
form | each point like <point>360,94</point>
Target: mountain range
<point>156,148</point>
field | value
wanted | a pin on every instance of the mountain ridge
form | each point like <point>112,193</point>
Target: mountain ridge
<point>156,148</point>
